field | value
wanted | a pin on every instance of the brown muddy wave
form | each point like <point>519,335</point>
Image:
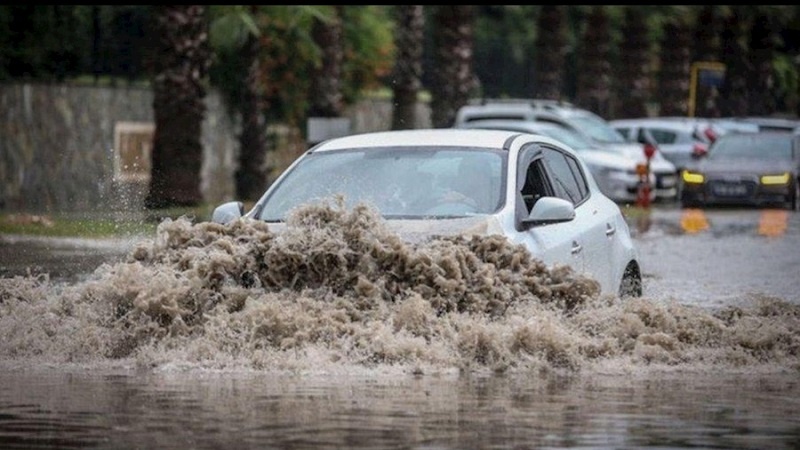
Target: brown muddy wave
<point>337,290</point>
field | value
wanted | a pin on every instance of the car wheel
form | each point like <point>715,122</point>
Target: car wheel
<point>794,202</point>
<point>631,285</point>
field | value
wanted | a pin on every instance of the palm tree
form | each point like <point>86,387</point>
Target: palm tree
<point>733,93</point>
<point>633,75</point>
<point>594,77</point>
<point>325,99</point>
<point>550,52</point>
<point>453,80</point>
<point>760,81</point>
<point>181,62</point>
<point>407,75</point>
<point>706,49</point>
<point>673,76</point>
<point>235,31</point>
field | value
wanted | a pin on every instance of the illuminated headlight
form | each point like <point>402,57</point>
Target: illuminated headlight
<point>775,179</point>
<point>692,177</point>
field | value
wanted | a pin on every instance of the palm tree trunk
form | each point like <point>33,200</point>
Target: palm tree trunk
<point>550,51</point>
<point>706,49</point>
<point>733,94</point>
<point>326,98</point>
<point>453,79</point>
<point>762,78</point>
<point>181,60</point>
<point>633,89</point>
<point>406,80</point>
<point>675,67</point>
<point>594,77</point>
<point>251,175</point>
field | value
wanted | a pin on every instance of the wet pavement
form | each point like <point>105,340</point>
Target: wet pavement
<point>67,259</point>
<point>711,257</point>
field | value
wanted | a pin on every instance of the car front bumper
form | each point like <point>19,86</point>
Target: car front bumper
<point>742,192</point>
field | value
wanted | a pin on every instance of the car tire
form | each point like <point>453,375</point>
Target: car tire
<point>631,285</point>
<point>794,201</point>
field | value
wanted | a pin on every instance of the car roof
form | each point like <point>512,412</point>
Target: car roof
<point>422,138</point>
<point>519,110</point>
<point>760,134</point>
<point>517,125</point>
<point>676,123</point>
<point>771,123</point>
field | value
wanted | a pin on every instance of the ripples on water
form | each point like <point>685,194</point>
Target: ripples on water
<point>338,291</point>
<point>81,409</point>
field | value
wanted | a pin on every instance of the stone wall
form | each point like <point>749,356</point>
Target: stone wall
<point>57,146</point>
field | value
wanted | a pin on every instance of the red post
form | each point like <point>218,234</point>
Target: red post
<point>643,170</point>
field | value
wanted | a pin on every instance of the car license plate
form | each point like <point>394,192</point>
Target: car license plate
<point>730,190</point>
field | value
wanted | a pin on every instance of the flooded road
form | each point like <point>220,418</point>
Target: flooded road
<point>158,348</point>
<point>706,257</point>
<point>717,257</point>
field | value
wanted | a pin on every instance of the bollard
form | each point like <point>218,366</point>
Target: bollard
<point>643,170</point>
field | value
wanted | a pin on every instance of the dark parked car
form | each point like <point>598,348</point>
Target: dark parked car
<point>746,169</point>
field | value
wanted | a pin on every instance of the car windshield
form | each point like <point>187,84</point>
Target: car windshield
<point>405,183</point>
<point>597,129</point>
<point>752,145</point>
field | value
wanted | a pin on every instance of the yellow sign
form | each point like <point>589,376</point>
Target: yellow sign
<point>697,67</point>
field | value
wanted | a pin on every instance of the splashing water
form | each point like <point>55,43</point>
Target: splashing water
<point>337,290</point>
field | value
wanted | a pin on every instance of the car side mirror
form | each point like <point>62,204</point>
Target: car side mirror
<point>228,212</point>
<point>548,210</point>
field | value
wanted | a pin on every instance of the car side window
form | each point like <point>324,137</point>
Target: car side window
<point>565,181</point>
<point>663,136</point>
<point>583,185</point>
<point>535,185</point>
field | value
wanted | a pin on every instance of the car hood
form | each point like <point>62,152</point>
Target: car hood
<point>746,165</point>
<point>415,231</point>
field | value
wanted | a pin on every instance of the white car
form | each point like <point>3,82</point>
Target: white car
<point>681,140</point>
<point>592,127</point>
<point>615,173</point>
<point>531,189</point>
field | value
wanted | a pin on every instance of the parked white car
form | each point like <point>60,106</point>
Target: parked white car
<point>680,140</point>
<point>592,127</point>
<point>532,189</point>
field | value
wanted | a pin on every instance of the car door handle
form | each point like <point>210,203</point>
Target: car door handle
<point>610,229</point>
<point>576,247</point>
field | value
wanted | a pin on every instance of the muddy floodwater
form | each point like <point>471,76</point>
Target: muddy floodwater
<point>337,333</point>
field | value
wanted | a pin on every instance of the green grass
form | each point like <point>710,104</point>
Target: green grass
<point>92,225</point>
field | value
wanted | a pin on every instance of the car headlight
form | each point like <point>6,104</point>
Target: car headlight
<point>692,177</point>
<point>775,179</point>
